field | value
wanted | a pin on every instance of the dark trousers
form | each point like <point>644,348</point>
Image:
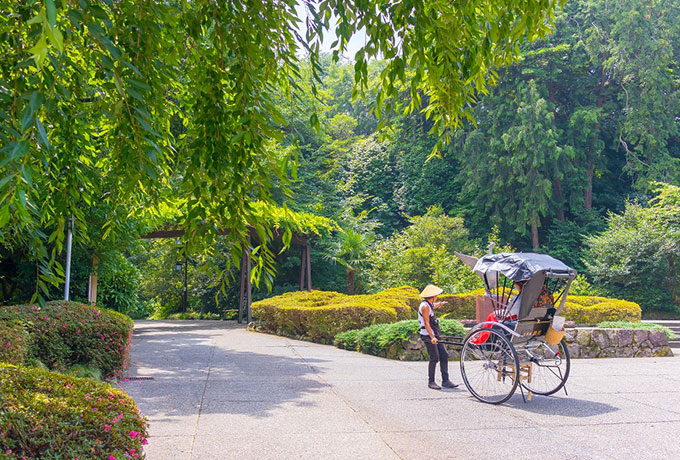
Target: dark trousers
<point>437,354</point>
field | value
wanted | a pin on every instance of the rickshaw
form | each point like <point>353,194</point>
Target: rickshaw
<point>517,345</point>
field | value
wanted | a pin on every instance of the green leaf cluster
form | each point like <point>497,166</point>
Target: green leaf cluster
<point>638,255</point>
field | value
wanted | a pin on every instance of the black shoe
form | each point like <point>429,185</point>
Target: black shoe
<point>449,384</point>
<point>434,386</point>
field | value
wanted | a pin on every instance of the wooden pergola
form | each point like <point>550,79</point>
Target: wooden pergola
<point>246,288</point>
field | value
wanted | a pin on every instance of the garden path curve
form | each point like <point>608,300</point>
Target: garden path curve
<point>221,392</point>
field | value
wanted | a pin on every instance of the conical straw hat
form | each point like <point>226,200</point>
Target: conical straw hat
<point>430,291</point>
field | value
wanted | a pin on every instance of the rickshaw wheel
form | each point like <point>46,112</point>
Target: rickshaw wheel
<point>548,374</point>
<point>490,368</point>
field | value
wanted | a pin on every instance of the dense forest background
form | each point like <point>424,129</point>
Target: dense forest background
<point>564,156</point>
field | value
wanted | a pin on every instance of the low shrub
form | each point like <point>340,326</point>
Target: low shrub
<point>459,306</point>
<point>587,300</point>
<point>13,342</point>
<point>594,310</point>
<point>639,325</point>
<point>47,415</point>
<point>403,293</point>
<point>319,316</point>
<point>377,339</point>
<point>194,315</point>
<point>306,299</point>
<point>64,334</point>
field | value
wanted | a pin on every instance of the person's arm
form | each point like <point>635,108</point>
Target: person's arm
<point>439,304</point>
<point>426,319</point>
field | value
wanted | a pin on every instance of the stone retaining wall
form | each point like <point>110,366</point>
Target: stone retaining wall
<point>616,343</point>
<point>582,343</point>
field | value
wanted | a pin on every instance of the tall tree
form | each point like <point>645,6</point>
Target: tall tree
<point>510,167</point>
<point>89,89</point>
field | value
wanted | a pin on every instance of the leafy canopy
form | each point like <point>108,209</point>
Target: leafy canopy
<point>136,105</point>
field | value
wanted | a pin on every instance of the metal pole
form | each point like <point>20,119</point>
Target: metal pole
<point>69,240</point>
<point>249,288</point>
<point>243,286</point>
<point>184,301</point>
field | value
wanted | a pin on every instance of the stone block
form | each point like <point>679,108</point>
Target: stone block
<point>574,350</point>
<point>644,352</point>
<point>625,352</point>
<point>601,338</point>
<point>584,337</point>
<point>394,351</point>
<point>658,338</point>
<point>414,343</point>
<point>410,355</point>
<point>625,337</point>
<point>613,335</point>
<point>608,353</point>
<point>640,336</point>
<point>590,352</point>
<point>662,351</point>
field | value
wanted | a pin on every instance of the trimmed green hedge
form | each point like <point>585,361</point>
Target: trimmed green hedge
<point>377,339</point>
<point>459,306</point>
<point>593,310</point>
<point>64,334</point>
<point>580,309</point>
<point>46,415</point>
<point>319,315</point>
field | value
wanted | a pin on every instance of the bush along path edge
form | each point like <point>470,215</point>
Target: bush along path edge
<point>48,415</point>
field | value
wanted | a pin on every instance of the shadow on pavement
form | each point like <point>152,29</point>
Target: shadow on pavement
<point>194,368</point>
<point>564,406</point>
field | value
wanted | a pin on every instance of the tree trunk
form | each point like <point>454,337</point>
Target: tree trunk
<point>350,281</point>
<point>92,285</point>
<point>534,232</point>
<point>588,194</point>
<point>557,183</point>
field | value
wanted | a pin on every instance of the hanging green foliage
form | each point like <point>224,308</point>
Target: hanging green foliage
<point>140,105</point>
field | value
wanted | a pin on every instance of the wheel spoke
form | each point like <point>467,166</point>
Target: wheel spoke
<point>489,369</point>
<point>550,367</point>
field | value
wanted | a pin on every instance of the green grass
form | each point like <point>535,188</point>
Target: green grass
<point>640,325</point>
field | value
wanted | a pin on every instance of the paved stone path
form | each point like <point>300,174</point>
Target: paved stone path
<point>220,392</point>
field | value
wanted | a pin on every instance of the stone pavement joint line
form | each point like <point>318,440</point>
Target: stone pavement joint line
<point>200,407</point>
<point>223,393</point>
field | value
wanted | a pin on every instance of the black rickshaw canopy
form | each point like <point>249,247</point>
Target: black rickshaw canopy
<point>522,266</point>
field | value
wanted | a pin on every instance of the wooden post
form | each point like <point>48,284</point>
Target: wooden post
<point>303,262</point>
<point>92,284</point>
<point>309,268</point>
<point>243,284</point>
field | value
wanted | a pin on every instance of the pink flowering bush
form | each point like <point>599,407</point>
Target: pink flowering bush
<point>63,334</point>
<point>50,415</point>
<point>13,342</point>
